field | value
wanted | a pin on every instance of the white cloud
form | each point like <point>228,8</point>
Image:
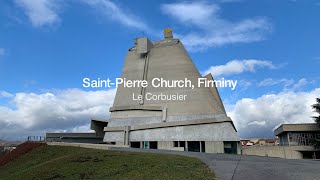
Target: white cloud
<point>197,13</point>
<point>40,12</point>
<point>2,51</point>
<point>29,83</point>
<point>302,82</point>
<point>112,11</point>
<point>64,110</point>
<point>211,29</point>
<point>238,67</point>
<point>244,84</point>
<point>288,84</point>
<point>46,12</point>
<point>4,94</point>
<point>272,82</point>
<point>260,123</point>
<point>259,117</point>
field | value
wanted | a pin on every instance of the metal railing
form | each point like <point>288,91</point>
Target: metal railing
<point>36,139</point>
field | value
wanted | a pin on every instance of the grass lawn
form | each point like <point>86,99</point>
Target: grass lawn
<point>60,162</point>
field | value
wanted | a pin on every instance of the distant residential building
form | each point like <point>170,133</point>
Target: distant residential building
<point>254,140</point>
<point>259,142</point>
<point>5,149</point>
<point>246,142</point>
<point>9,148</point>
<point>267,142</point>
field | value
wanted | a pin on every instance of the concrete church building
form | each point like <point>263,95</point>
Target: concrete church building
<point>197,123</point>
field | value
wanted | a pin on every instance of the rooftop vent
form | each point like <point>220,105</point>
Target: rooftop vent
<point>168,34</point>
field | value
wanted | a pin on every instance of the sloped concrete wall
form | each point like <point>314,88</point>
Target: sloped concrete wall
<point>170,61</point>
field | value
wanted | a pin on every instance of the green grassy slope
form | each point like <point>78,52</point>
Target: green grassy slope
<point>58,162</point>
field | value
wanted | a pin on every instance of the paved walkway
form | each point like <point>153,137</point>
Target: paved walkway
<point>239,167</point>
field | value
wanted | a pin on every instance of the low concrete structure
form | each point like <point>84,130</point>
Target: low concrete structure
<point>73,137</point>
<point>297,134</point>
<point>288,152</point>
<point>295,143</point>
<point>86,145</point>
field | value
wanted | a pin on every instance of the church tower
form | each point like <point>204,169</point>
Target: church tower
<point>194,121</point>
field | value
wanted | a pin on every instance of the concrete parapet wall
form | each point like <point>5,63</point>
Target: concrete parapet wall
<point>133,121</point>
<point>288,152</point>
<point>177,149</point>
<point>202,132</point>
<point>86,145</point>
<point>81,135</point>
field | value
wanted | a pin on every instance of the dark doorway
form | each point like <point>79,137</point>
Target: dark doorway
<point>310,154</point>
<point>203,146</point>
<point>135,144</point>
<point>230,147</point>
<point>307,154</point>
<point>146,145</point>
<point>194,146</point>
<point>175,143</point>
<point>153,145</point>
<point>182,144</point>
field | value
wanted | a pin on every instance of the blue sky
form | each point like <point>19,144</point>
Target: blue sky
<point>47,47</point>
